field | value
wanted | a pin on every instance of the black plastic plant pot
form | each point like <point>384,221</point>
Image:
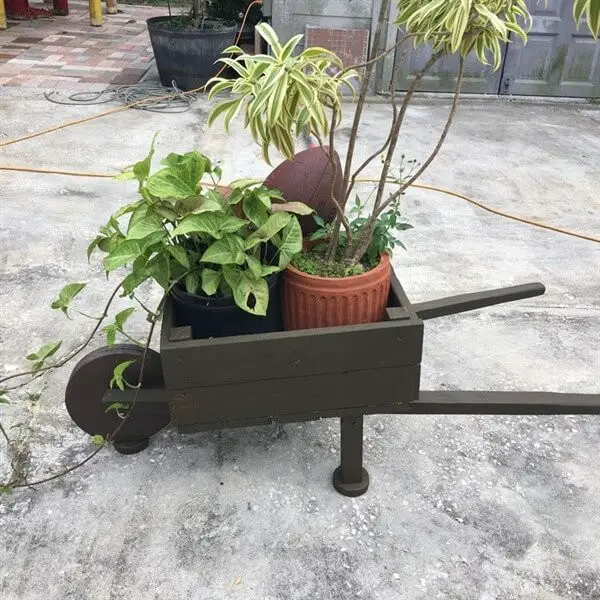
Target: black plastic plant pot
<point>187,55</point>
<point>212,317</point>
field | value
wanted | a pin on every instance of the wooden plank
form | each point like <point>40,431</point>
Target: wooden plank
<point>396,312</point>
<point>452,305</point>
<point>278,355</point>
<point>398,297</point>
<point>287,418</point>
<point>274,398</point>
<point>442,402</point>
<point>505,403</point>
<point>180,334</point>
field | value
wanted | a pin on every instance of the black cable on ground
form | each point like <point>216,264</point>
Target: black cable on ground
<point>149,97</point>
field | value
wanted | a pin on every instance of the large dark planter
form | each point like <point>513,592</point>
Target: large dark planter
<point>214,317</point>
<point>187,56</point>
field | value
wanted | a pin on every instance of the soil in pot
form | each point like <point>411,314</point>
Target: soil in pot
<point>187,55</point>
<point>214,316</point>
<point>312,301</point>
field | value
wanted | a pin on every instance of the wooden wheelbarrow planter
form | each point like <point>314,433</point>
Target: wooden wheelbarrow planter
<point>344,372</point>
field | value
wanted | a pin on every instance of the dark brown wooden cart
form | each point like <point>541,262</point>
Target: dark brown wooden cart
<point>344,372</point>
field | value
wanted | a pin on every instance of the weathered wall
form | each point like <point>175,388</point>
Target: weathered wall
<point>290,17</point>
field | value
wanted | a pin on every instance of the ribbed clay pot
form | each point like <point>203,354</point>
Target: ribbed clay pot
<point>310,301</point>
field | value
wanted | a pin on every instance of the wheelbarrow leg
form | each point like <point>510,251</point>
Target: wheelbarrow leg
<point>132,447</point>
<point>350,478</point>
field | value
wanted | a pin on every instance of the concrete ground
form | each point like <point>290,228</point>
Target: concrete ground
<point>460,508</point>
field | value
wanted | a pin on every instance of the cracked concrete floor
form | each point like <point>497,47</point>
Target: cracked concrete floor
<point>460,508</point>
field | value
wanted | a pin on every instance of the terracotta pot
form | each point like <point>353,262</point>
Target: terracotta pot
<point>310,301</point>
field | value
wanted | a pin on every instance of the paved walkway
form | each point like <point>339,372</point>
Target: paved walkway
<point>66,52</point>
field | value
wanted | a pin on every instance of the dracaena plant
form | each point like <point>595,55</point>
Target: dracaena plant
<point>285,94</point>
<point>278,94</point>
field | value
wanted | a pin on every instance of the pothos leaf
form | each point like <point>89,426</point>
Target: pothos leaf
<point>66,295</point>
<point>41,355</point>
<point>118,373</point>
<point>210,281</point>
<point>192,282</point>
<point>290,243</point>
<point>121,317</point>
<point>180,255</point>
<point>229,250</point>
<point>117,406</point>
<point>98,440</point>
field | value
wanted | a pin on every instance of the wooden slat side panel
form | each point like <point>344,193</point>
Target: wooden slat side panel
<point>279,397</point>
<point>207,363</point>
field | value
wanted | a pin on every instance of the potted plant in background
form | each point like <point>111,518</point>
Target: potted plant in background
<point>186,46</point>
<point>234,10</point>
<point>346,280</point>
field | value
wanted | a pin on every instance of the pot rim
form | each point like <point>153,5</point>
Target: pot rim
<point>384,263</point>
<point>153,23</point>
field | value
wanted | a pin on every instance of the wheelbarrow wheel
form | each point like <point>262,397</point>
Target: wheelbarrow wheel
<point>89,382</point>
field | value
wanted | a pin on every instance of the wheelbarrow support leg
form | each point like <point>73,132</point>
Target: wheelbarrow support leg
<point>350,478</point>
<point>132,447</point>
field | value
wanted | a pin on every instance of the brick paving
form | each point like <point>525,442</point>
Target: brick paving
<point>67,53</point>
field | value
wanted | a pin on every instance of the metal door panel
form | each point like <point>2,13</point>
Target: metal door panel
<point>558,59</point>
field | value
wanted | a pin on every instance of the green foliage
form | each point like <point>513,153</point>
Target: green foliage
<point>117,406</point>
<point>281,95</point>
<point>98,440</point>
<point>118,375</point>
<point>590,10</point>
<point>66,295</point>
<point>118,326</point>
<point>33,397</point>
<point>43,354</point>
<point>383,237</point>
<point>314,262</point>
<point>5,490</point>
<point>4,398</point>
<point>183,232</point>
<point>465,25</point>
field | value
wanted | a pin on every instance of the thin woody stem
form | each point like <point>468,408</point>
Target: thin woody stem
<point>396,126</point>
<point>437,148</point>
<point>394,117</point>
<point>378,57</point>
<point>355,254</point>
<point>74,353</point>
<point>362,94</point>
<point>330,155</point>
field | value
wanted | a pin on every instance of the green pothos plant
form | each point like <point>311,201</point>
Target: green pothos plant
<point>288,93</point>
<point>183,230</point>
<point>186,230</point>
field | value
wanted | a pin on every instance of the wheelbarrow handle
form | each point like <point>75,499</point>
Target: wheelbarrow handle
<point>457,304</point>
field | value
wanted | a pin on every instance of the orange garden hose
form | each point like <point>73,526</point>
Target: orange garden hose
<point>200,89</point>
<point>421,186</point>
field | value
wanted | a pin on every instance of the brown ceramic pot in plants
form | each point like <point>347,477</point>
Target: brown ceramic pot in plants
<point>311,301</point>
<point>310,177</point>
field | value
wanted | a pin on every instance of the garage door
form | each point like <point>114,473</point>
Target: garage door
<point>558,60</point>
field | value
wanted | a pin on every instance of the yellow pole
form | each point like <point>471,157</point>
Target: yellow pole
<point>111,7</point>
<point>2,15</point>
<point>95,13</point>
